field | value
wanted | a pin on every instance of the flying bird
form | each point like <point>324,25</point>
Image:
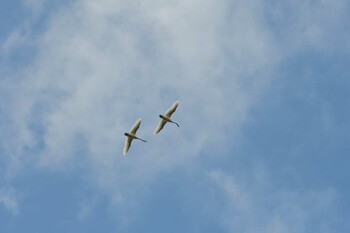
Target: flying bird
<point>132,135</point>
<point>166,118</point>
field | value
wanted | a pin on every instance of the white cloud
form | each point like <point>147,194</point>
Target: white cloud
<point>100,66</point>
<point>36,5</point>
<point>14,40</point>
<point>317,25</point>
<point>261,207</point>
<point>86,208</point>
<point>9,199</point>
<point>237,197</point>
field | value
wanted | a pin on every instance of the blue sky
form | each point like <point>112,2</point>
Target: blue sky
<point>264,116</point>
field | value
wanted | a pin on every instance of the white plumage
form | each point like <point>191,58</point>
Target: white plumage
<point>132,135</point>
<point>166,118</point>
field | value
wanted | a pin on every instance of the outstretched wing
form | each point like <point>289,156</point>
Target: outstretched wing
<point>127,145</point>
<point>172,109</point>
<point>160,126</point>
<point>135,127</point>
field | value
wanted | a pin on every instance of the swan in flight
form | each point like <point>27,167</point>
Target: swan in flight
<point>132,135</point>
<point>166,118</point>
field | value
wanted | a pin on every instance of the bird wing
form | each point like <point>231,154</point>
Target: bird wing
<point>135,127</point>
<point>127,145</point>
<point>172,109</point>
<point>160,126</point>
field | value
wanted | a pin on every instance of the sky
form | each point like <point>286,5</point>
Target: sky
<point>264,116</point>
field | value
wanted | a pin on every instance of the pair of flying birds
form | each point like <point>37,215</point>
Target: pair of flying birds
<point>132,133</point>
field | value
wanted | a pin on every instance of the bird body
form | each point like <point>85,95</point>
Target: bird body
<point>131,136</point>
<point>134,137</point>
<point>166,118</point>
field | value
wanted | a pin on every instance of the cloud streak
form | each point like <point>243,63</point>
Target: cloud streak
<point>100,66</point>
<point>9,199</point>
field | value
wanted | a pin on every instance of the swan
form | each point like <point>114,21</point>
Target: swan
<point>166,118</point>
<point>132,135</point>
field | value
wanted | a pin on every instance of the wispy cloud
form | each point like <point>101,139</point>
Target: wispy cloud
<point>99,66</point>
<point>9,199</point>
<point>14,40</point>
<point>267,209</point>
<point>86,208</point>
